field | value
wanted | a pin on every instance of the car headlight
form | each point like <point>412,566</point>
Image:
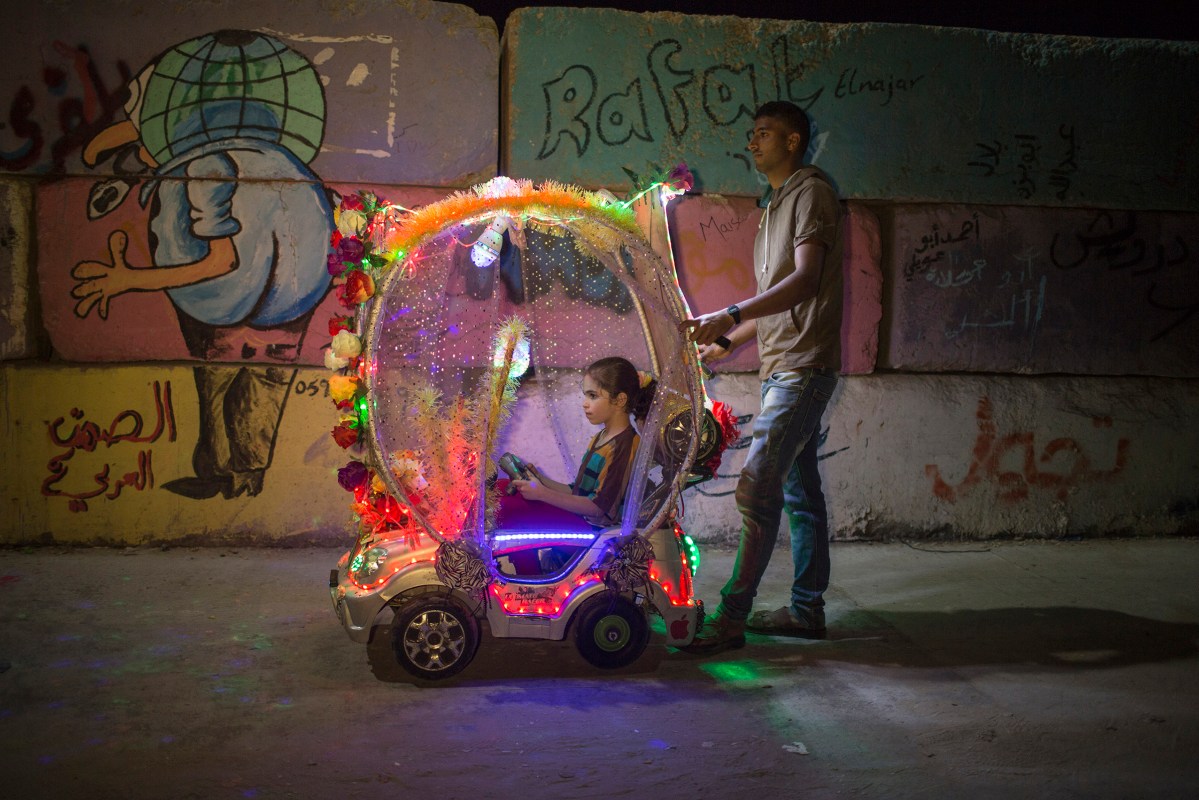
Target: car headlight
<point>367,564</point>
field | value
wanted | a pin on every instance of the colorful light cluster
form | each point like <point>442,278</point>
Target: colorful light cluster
<point>373,236</point>
<point>552,608</point>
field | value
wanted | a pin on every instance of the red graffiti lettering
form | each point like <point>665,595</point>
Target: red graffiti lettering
<point>85,436</point>
<point>990,450</point>
<point>89,107</point>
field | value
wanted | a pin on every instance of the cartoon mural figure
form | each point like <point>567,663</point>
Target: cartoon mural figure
<point>238,233</point>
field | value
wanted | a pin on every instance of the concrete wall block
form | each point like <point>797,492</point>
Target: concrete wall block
<point>124,455</point>
<point>356,92</point>
<point>145,325</point>
<point>111,455</point>
<point>976,457</point>
<point>16,323</point>
<point>973,456</point>
<point>901,111</point>
<point>1011,289</point>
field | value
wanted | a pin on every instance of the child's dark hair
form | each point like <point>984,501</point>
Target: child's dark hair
<point>615,375</point>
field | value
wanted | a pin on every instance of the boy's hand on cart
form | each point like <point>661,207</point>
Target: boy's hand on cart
<point>704,329</point>
<point>714,352</point>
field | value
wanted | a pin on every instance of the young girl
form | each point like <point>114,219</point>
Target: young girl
<point>612,391</point>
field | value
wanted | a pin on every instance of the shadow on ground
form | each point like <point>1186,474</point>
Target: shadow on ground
<point>1054,636</point>
<point>1005,638</point>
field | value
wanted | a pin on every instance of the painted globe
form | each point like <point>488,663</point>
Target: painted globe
<point>229,85</point>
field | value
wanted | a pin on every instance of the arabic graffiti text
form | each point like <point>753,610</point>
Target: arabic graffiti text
<point>85,436</point>
<point>1011,464</point>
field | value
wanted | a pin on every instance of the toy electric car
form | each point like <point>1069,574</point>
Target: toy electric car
<point>486,309</point>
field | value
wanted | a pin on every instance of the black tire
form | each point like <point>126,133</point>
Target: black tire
<point>434,638</point>
<point>611,632</point>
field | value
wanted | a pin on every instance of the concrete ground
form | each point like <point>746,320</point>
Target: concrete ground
<point>985,670</point>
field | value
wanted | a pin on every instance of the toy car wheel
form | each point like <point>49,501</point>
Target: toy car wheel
<point>434,638</point>
<point>611,632</point>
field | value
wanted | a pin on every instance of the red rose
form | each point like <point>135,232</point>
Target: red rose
<point>335,239</point>
<point>345,435</point>
<point>358,288</point>
<point>352,202</point>
<point>339,324</point>
<point>729,432</point>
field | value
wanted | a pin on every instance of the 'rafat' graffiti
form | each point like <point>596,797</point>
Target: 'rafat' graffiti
<point>85,436</point>
<point>1010,463</point>
<point>662,101</point>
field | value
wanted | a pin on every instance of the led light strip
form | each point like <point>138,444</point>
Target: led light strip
<point>544,536</point>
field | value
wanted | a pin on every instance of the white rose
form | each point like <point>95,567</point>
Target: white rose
<point>332,361</point>
<point>346,345</point>
<point>351,222</point>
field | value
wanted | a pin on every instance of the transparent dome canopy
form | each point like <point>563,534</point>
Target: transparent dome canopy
<point>466,362</point>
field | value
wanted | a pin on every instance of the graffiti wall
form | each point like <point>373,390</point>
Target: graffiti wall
<point>351,91</point>
<point>712,239</point>
<point>1019,227</point>
<point>111,454</point>
<point>87,321</point>
<point>900,111</point>
<point>16,323</point>
<point>908,455</point>
<point>1047,457</point>
<point>175,173</point>
<point>1008,289</point>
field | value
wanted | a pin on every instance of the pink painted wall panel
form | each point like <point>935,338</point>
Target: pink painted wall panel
<point>144,326</point>
<point>713,239</point>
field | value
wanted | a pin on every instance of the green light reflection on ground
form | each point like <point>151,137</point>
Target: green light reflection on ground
<point>733,671</point>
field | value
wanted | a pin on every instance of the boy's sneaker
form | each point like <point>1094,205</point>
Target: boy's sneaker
<point>782,622</point>
<point>719,633</point>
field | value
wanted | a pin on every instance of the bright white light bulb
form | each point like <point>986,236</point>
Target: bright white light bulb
<point>487,247</point>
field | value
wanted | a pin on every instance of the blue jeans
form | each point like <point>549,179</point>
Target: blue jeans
<point>780,473</point>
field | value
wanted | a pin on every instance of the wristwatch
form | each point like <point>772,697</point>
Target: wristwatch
<point>735,313</point>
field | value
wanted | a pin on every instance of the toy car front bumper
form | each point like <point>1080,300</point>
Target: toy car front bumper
<point>356,609</point>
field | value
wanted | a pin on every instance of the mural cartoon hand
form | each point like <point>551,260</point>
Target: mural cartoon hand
<point>99,282</point>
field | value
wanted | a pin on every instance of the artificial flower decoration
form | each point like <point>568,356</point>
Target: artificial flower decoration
<point>333,361</point>
<point>346,345</point>
<point>335,264</point>
<point>644,378</point>
<point>405,465</point>
<point>353,476</point>
<point>351,249</point>
<point>729,432</point>
<point>338,324</point>
<point>358,288</point>
<point>351,216</point>
<point>680,180</point>
<point>346,434</point>
<point>343,387</point>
